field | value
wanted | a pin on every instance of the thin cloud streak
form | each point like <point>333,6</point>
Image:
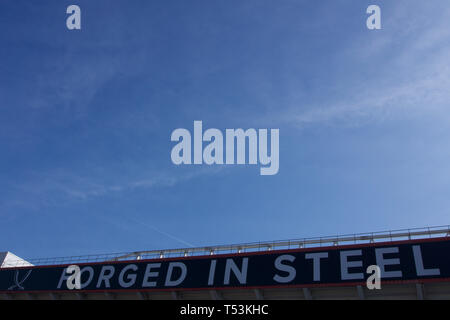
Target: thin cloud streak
<point>60,188</point>
<point>163,232</point>
<point>423,96</point>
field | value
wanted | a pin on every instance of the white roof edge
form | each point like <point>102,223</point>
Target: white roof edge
<point>9,259</point>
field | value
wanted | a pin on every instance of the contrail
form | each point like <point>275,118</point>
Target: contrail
<point>164,233</point>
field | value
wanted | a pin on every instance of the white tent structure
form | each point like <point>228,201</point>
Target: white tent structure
<point>9,260</point>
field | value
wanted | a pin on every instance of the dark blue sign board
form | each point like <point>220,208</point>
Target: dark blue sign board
<point>403,261</point>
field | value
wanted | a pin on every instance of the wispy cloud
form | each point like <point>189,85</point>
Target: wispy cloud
<point>411,57</point>
<point>61,187</point>
<point>426,95</point>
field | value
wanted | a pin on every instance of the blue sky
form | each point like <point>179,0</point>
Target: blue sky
<point>86,118</point>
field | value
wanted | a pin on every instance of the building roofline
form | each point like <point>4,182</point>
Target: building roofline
<point>313,242</point>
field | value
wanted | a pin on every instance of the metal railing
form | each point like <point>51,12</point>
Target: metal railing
<point>360,238</point>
